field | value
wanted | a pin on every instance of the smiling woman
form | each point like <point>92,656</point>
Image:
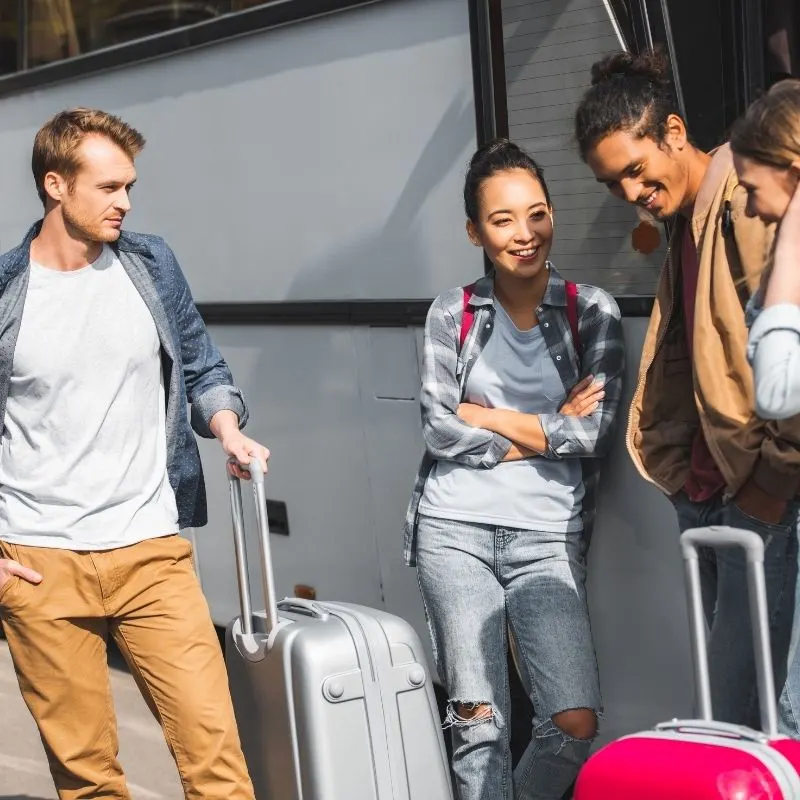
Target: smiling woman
<point>522,375</point>
<point>766,146</point>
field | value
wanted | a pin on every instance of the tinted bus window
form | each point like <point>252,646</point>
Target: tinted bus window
<point>9,32</point>
<point>60,29</point>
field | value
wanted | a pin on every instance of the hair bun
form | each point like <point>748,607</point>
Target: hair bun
<point>497,155</point>
<point>651,66</point>
<point>495,149</point>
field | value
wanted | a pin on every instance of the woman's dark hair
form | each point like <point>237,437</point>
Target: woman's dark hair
<point>496,156</point>
<point>628,93</point>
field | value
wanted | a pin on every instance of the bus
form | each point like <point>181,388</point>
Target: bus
<point>305,162</point>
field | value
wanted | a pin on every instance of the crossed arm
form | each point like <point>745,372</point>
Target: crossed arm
<point>483,437</point>
<point>525,430</point>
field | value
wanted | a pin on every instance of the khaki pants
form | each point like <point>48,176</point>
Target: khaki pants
<point>148,598</point>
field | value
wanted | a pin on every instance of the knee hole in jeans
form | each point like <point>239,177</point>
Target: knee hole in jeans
<point>577,723</point>
<point>463,714</point>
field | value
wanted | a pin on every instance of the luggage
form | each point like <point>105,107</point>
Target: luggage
<point>702,759</point>
<point>333,701</point>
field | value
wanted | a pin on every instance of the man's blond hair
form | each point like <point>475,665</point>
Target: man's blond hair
<point>56,143</point>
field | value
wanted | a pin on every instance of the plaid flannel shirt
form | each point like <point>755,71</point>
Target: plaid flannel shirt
<point>445,371</point>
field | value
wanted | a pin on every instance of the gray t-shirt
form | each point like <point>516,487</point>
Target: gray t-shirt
<point>516,372</point>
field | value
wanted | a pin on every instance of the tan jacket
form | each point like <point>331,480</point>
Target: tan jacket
<point>673,395</point>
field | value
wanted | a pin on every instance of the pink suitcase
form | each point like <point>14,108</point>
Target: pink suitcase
<point>702,759</point>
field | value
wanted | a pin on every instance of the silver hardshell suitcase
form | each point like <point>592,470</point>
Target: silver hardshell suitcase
<point>333,701</point>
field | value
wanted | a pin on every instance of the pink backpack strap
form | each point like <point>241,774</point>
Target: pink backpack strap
<point>468,316</point>
<point>572,315</point>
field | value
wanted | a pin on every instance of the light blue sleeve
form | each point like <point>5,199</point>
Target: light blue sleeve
<point>774,353</point>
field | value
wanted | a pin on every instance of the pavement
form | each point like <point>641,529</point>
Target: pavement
<point>144,755</point>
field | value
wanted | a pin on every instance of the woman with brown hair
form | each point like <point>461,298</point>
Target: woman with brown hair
<point>766,148</point>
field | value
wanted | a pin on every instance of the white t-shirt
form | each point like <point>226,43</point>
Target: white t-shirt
<point>83,461</point>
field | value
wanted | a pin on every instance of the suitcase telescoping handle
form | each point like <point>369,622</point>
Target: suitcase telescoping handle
<point>723,536</point>
<point>267,575</point>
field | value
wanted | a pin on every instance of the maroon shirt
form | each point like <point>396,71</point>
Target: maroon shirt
<point>705,479</point>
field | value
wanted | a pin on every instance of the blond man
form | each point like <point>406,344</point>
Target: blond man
<point>102,349</point>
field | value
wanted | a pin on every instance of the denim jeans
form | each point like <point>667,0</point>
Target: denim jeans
<point>477,582</point>
<point>734,693</point>
<point>789,703</point>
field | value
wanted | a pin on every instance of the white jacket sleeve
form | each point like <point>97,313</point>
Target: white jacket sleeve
<point>774,352</point>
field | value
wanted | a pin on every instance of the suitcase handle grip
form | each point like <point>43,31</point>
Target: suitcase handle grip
<point>723,536</point>
<point>713,728</point>
<point>267,575</point>
<point>301,606</point>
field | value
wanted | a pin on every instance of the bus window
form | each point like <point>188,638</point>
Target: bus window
<point>726,53</point>
<point>9,31</point>
<point>125,20</point>
<point>549,48</point>
<point>723,52</point>
<point>59,29</point>
<point>51,33</point>
<point>782,35</point>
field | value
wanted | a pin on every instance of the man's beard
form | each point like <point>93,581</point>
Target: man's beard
<point>87,232</point>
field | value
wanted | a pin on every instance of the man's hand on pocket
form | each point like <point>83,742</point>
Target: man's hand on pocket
<point>755,502</point>
<point>584,398</point>
<point>10,568</point>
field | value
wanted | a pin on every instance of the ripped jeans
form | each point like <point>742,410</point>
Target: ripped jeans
<point>478,581</point>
